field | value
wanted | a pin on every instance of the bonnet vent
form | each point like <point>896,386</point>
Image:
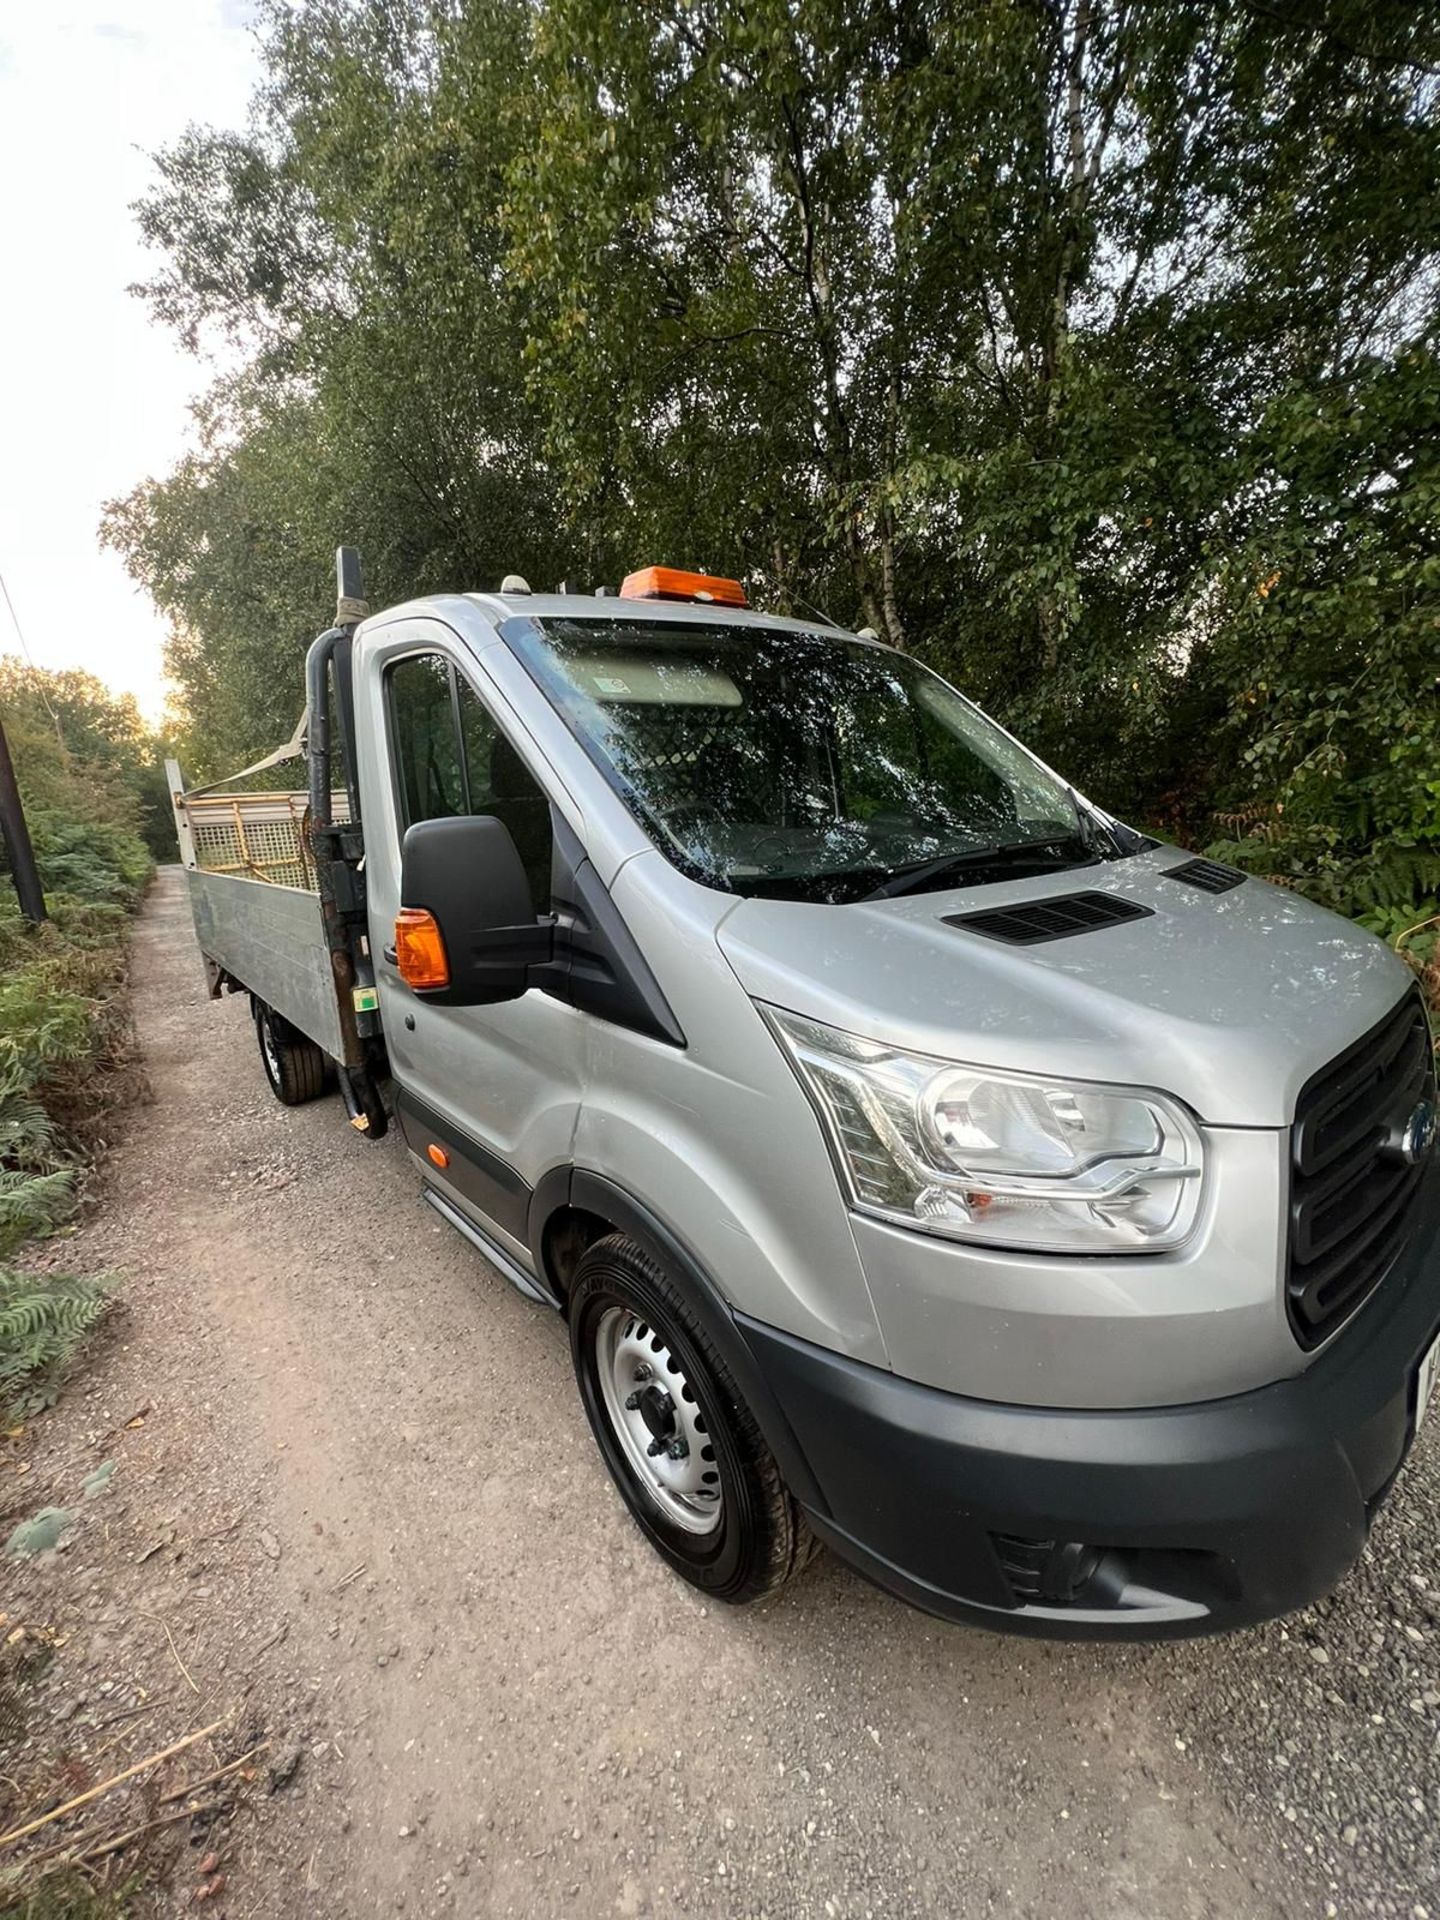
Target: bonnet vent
<point>1208,875</point>
<point>1057,919</point>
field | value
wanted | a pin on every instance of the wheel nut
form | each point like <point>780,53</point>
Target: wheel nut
<point>644,1370</point>
<point>655,1446</point>
<point>632,1401</point>
<point>679,1449</point>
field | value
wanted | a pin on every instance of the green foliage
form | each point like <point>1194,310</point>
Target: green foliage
<point>1089,350</point>
<point>82,757</point>
<point>44,1318</point>
<point>1332,695</point>
<point>59,1055</point>
<point>86,758</point>
<point>60,1016</point>
<point>27,1133</point>
<point>96,861</point>
<point>33,1203</point>
<point>63,1893</point>
<point>38,1171</point>
<point>40,1025</point>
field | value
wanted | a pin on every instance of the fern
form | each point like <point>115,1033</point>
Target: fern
<point>65,1054</point>
<point>43,1320</point>
<point>33,1203</point>
<point>27,1133</point>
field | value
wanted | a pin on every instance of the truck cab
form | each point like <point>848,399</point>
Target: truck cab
<point>924,1161</point>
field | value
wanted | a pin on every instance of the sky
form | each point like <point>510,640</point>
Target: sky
<point>93,396</point>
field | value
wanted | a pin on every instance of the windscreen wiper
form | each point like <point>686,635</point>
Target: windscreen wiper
<point>1010,853</point>
<point>1108,838</point>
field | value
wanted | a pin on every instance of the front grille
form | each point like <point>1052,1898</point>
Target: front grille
<point>1053,919</point>
<point>1351,1187</point>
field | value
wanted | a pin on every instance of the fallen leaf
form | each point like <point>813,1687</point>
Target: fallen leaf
<point>38,1535</point>
<point>97,1481</point>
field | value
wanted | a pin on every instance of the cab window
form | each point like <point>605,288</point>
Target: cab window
<point>451,758</point>
<point>427,746</point>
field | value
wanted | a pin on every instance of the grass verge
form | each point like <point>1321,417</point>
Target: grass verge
<point>67,1062</point>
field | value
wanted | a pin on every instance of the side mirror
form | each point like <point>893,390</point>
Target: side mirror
<point>467,935</point>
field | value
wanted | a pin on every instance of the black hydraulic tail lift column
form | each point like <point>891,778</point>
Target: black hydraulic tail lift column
<point>23,870</point>
<point>339,847</point>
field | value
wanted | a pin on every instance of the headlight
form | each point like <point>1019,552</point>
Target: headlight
<point>1011,1159</point>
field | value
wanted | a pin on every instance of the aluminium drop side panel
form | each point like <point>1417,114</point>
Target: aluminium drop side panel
<point>272,940</point>
<point>175,781</point>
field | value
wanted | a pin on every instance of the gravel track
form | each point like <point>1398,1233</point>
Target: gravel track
<point>514,1709</point>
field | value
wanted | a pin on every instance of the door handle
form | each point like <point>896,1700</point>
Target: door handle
<point>390,956</point>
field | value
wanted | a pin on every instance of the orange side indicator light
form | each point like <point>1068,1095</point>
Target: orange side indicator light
<point>438,1155</point>
<point>673,583</point>
<point>420,949</point>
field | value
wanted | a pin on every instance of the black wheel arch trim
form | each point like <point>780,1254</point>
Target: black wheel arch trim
<point>595,1193</point>
<point>551,1195</point>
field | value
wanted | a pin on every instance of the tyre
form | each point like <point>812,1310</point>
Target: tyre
<point>680,1443</point>
<point>295,1067</point>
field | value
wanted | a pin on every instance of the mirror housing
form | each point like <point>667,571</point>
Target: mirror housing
<point>467,875</point>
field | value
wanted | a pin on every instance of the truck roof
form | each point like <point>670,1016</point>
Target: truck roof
<point>498,607</point>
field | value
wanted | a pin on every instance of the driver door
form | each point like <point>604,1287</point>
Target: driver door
<point>487,1096</point>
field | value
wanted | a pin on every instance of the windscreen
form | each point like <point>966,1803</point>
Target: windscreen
<point>772,762</point>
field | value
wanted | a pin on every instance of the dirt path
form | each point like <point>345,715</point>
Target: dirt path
<point>514,1709</point>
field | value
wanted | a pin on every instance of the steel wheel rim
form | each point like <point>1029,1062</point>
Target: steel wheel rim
<point>647,1400</point>
<point>269,1052</point>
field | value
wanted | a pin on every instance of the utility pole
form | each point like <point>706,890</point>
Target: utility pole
<point>17,839</point>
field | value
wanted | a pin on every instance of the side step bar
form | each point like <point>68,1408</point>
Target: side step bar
<point>498,1258</point>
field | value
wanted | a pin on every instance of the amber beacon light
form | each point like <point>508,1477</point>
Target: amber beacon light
<point>673,583</point>
<point>420,954</point>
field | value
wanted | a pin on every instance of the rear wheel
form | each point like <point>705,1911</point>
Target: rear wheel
<point>680,1443</point>
<point>295,1067</point>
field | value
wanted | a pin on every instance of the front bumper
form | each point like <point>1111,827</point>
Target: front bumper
<point>1141,1524</point>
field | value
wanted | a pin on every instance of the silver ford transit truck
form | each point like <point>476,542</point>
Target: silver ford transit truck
<point>924,1161</point>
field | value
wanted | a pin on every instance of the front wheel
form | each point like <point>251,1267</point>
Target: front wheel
<point>680,1443</point>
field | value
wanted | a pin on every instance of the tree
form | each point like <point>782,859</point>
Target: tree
<point>1086,348</point>
<point>84,756</point>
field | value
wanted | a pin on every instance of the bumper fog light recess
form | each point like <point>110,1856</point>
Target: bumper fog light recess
<point>1060,1573</point>
<point>1124,1583</point>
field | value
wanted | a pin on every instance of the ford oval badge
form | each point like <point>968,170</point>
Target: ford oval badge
<point>1419,1134</point>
